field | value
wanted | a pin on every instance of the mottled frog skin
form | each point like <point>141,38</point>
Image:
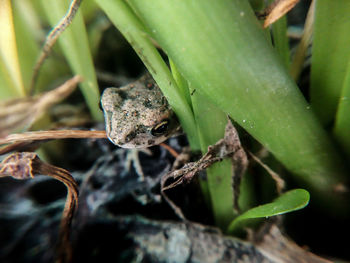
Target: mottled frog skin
<point>138,115</point>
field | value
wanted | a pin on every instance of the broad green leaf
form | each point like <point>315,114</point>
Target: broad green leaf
<point>221,50</point>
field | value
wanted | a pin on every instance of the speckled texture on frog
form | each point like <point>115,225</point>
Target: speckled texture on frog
<point>138,115</point>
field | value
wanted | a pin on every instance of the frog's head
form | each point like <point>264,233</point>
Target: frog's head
<point>138,120</point>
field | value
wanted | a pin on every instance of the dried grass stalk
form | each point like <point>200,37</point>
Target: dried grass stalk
<point>27,165</point>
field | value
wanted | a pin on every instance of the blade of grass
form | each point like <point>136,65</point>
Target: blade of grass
<point>28,31</point>
<point>96,32</point>
<point>6,83</point>
<point>184,87</point>
<point>342,122</point>
<point>280,40</point>
<point>306,39</point>
<point>217,188</point>
<point>28,49</point>
<point>290,201</point>
<point>181,82</point>
<point>211,122</point>
<point>133,30</point>
<point>10,69</point>
<point>75,47</point>
<point>229,60</point>
<point>330,56</point>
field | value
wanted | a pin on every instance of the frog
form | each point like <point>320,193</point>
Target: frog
<point>138,115</point>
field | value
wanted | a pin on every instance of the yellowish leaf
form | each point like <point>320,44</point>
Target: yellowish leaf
<point>8,47</point>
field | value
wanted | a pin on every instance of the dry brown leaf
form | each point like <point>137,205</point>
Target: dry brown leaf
<point>66,115</point>
<point>239,160</point>
<point>228,147</point>
<point>20,113</point>
<point>278,9</point>
<point>26,165</point>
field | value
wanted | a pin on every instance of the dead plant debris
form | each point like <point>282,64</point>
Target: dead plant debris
<point>22,113</point>
<point>228,147</point>
<point>27,165</point>
<point>31,140</point>
<point>276,10</point>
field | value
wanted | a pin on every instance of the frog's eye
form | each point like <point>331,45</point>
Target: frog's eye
<point>160,128</point>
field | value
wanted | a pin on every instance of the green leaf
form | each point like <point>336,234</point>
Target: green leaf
<point>330,56</point>
<point>342,121</point>
<point>28,33</point>
<point>280,40</point>
<point>211,123</point>
<point>11,77</point>
<point>181,82</point>
<point>290,201</point>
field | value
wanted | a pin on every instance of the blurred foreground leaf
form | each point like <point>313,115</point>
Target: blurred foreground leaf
<point>10,73</point>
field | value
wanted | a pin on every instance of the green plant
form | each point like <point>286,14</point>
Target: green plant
<point>222,63</point>
<point>231,65</point>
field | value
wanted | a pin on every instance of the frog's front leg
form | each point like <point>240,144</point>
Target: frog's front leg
<point>133,158</point>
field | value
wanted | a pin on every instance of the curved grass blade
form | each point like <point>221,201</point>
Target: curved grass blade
<point>290,201</point>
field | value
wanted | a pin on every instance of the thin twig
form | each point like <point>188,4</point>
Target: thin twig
<point>279,181</point>
<point>170,150</point>
<point>30,141</point>
<point>52,135</point>
<point>52,38</point>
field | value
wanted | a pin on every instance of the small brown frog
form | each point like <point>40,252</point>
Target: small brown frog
<point>138,115</point>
